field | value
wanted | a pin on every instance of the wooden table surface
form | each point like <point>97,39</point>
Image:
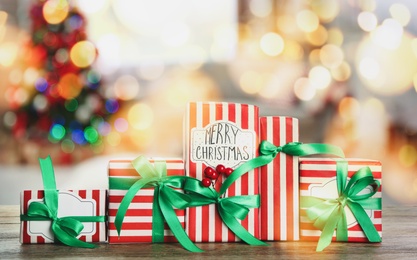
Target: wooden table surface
<point>399,242</point>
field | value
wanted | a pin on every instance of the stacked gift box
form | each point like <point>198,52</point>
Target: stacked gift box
<point>243,177</point>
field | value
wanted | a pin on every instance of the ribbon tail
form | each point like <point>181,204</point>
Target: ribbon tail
<point>157,219</point>
<point>365,222</point>
<point>239,230</point>
<point>67,239</point>
<point>176,227</point>
<point>327,232</point>
<point>124,204</point>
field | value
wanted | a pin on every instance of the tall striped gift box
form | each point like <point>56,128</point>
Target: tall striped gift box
<point>70,203</point>
<point>220,133</point>
<point>318,179</point>
<point>279,210</point>
<point>137,224</point>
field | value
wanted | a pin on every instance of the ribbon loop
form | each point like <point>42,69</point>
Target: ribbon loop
<point>329,214</point>
<point>230,209</point>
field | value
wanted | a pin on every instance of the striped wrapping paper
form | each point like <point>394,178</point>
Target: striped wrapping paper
<point>137,224</point>
<point>220,133</point>
<point>279,211</point>
<point>70,203</point>
<point>318,178</point>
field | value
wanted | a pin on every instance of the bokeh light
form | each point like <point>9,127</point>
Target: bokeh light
<point>9,119</point>
<point>70,86</point>
<point>326,10</point>
<point>260,8</point>
<point>30,75</point>
<point>272,44</point>
<point>113,139</point>
<point>335,36</point>
<point>318,37</point>
<point>251,82</point>
<point>112,106</point>
<point>71,105</point>
<point>55,11</point>
<point>140,116</point>
<point>307,21</point>
<point>40,103</point>
<point>400,13</point>
<point>367,21</point>
<point>388,35</point>
<point>319,77</point>
<point>349,108</point>
<point>83,54</point>
<point>407,155</point>
<point>331,56</point>
<point>91,134</point>
<point>121,125</point>
<point>67,146</point>
<point>126,87</point>
<point>304,90</point>
<point>376,65</point>
<point>83,113</point>
<point>342,72</point>
<point>57,132</point>
<point>8,53</point>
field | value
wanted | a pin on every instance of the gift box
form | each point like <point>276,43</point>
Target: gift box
<point>138,220</point>
<point>220,133</point>
<point>279,210</point>
<point>71,203</point>
<point>318,180</point>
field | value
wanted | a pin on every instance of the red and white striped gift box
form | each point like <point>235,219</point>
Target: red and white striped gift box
<point>70,203</point>
<point>318,178</point>
<point>137,224</point>
<point>220,133</point>
<point>279,211</point>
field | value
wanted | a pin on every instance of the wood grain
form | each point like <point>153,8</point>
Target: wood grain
<point>399,242</point>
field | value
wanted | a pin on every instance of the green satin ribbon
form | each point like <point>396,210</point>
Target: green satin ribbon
<point>65,229</point>
<point>268,152</point>
<point>165,199</point>
<point>329,214</point>
<point>229,208</point>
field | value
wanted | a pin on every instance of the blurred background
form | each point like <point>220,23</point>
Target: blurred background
<point>85,81</point>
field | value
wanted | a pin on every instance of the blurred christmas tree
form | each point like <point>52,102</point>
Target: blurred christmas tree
<point>61,98</point>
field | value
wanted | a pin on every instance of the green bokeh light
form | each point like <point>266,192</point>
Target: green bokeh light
<point>71,105</point>
<point>57,132</point>
<point>67,146</point>
<point>91,134</point>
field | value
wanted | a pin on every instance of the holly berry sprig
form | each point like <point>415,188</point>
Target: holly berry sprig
<point>213,174</point>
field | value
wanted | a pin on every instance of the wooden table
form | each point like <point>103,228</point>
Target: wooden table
<point>399,242</point>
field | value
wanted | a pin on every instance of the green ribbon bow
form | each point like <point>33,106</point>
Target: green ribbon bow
<point>229,208</point>
<point>269,151</point>
<point>65,229</point>
<point>165,198</point>
<point>330,214</point>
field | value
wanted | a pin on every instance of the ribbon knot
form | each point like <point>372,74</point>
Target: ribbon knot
<point>166,198</point>
<point>342,201</point>
<point>229,208</point>
<point>329,214</point>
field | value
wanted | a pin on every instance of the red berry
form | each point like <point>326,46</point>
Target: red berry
<point>228,171</point>
<point>208,171</point>
<point>220,168</point>
<point>206,182</point>
<point>214,175</point>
